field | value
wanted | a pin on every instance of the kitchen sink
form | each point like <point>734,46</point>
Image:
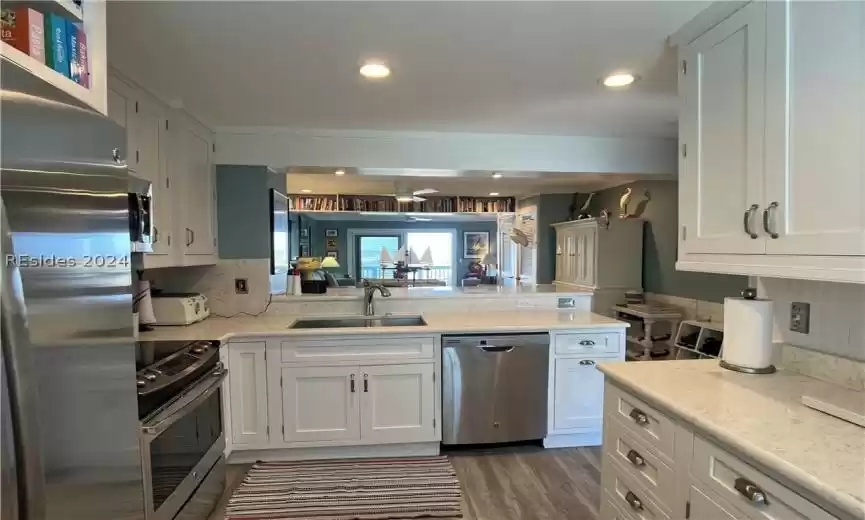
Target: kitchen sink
<point>359,322</point>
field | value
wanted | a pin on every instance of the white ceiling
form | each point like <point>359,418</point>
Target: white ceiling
<point>499,67</point>
<point>449,182</point>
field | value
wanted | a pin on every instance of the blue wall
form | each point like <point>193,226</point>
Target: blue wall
<point>243,210</point>
<point>318,240</point>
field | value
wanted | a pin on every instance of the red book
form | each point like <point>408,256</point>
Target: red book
<point>23,28</point>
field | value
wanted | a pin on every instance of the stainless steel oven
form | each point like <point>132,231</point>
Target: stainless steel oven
<point>182,438</point>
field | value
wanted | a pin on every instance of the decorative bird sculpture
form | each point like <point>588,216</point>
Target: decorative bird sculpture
<point>584,211</point>
<point>623,203</point>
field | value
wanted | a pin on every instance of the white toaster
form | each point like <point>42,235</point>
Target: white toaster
<point>179,309</point>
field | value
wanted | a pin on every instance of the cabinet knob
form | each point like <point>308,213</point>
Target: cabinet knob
<point>746,221</point>
<point>639,417</point>
<point>636,459</point>
<point>766,214</point>
<point>750,491</point>
<point>632,500</point>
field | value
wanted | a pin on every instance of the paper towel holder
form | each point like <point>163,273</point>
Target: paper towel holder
<point>749,293</point>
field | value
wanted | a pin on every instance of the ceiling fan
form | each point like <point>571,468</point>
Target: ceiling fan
<point>414,196</point>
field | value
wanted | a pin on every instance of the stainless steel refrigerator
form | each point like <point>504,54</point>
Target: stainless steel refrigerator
<point>70,447</point>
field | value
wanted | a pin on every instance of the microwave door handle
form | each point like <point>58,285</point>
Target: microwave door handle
<point>200,393</point>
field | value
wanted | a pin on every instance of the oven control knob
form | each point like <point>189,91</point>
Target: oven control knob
<point>198,350</point>
<point>141,383</point>
<point>150,377</point>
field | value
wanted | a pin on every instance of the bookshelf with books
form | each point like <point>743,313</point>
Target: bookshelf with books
<point>389,204</point>
<point>57,43</point>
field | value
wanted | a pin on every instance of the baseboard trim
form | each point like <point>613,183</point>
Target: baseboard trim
<point>419,449</point>
<point>574,440</point>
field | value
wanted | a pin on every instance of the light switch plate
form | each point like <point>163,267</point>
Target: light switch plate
<point>800,317</point>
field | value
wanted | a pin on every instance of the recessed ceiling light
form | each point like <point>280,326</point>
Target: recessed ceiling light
<point>619,79</point>
<point>339,172</point>
<point>306,191</point>
<point>497,175</point>
<point>494,194</point>
<point>374,70</point>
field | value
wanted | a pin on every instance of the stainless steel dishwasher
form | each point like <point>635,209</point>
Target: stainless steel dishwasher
<point>494,387</point>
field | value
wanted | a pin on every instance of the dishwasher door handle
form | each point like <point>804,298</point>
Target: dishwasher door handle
<point>490,348</point>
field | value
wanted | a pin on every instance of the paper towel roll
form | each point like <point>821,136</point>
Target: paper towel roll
<point>748,333</point>
<point>145,304</point>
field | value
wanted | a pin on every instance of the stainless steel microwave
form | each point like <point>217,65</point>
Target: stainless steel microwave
<point>141,233</point>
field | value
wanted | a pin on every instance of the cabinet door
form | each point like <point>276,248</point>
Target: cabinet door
<point>815,167</point>
<point>560,251</point>
<point>722,126</point>
<point>121,109</point>
<point>585,260</point>
<point>570,256</point>
<point>198,191</point>
<point>705,508</point>
<point>579,393</point>
<point>247,377</point>
<point>320,403</point>
<point>398,403</point>
<point>150,152</point>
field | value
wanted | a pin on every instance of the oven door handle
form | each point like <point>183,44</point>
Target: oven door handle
<point>186,402</point>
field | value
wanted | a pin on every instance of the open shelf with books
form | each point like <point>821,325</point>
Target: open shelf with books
<point>389,204</point>
<point>77,72</point>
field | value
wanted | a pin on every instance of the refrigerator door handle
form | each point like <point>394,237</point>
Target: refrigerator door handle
<point>22,387</point>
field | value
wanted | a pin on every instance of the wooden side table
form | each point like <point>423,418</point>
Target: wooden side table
<point>650,315</point>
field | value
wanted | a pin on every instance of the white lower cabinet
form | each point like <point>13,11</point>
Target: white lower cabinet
<point>656,466</point>
<point>247,388</point>
<point>579,391</point>
<point>398,403</point>
<point>320,404</point>
<point>318,393</point>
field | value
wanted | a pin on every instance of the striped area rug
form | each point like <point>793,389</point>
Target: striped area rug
<point>366,489</point>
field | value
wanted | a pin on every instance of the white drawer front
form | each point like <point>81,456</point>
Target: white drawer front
<point>610,511</point>
<point>641,462</point>
<point>628,495</point>
<point>341,349</point>
<point>646,423</point>
<point>589,343</point>
<point>743,486</point>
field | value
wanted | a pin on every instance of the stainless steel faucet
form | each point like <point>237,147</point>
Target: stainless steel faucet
<point>368,292</point>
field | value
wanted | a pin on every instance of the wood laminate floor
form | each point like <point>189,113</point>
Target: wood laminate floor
<point>519,483</point>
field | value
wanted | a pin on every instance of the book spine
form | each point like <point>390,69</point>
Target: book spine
<point>55,44</point>
<point>84,58</point>
<point>72,49</point>
<point>23,28</point>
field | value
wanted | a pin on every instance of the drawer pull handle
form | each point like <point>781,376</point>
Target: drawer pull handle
<point>587,343</point>
<point>639,417</point>
<point>635,503</point>
<point>751,491</point>
<point>636,459</point>
<point>586,362</point>
<point>352,383</point>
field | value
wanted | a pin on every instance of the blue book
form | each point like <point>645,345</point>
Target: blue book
<point>72,43</point>
<point>56,52</point>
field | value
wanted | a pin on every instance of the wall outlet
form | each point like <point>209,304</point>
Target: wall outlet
<point>241,286</point>
<point>800,317</point>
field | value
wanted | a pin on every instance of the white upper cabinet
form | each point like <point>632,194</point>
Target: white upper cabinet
<point>815,164</point>
<point>772,130</point>
<point>722,79</point>
<point>196,188</point>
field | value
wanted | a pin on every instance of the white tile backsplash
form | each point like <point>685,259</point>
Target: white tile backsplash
<point>217,283</point>
<point>837,315</point>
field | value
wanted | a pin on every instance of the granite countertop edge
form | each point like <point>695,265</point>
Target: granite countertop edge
<point>817,490</point>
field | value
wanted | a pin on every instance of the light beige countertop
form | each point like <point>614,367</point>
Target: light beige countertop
<point>214,328</point>
<point>403,293</point>
<point>761,418</point>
